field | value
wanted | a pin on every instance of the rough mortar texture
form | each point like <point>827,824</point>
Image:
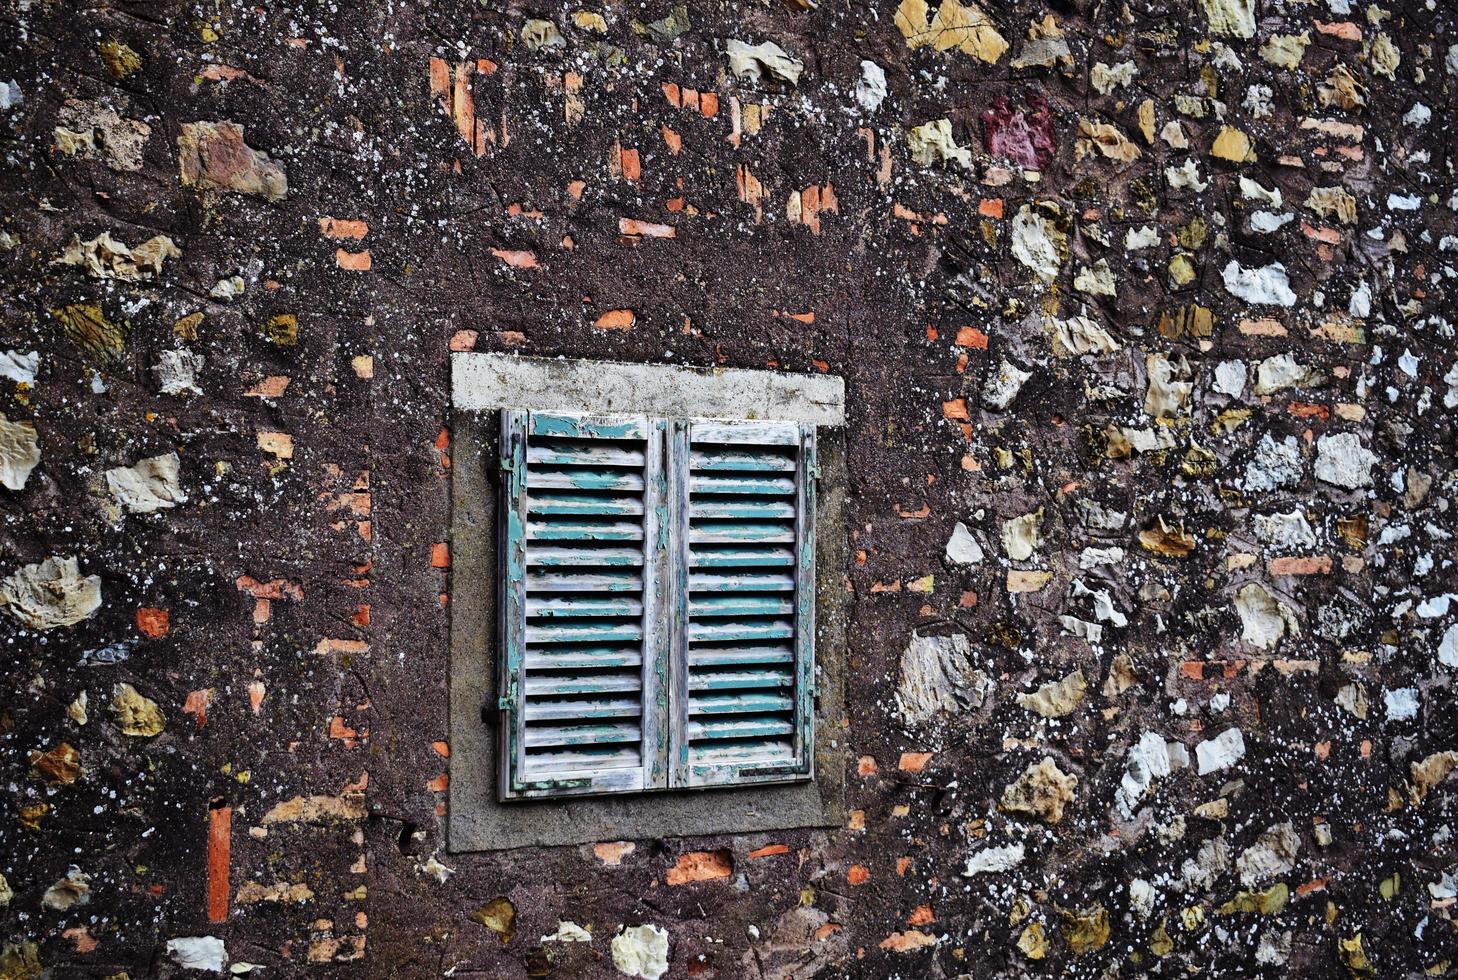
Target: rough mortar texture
<point>1052,248</point>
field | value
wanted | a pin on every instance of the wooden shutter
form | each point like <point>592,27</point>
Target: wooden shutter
<point>744,611</point>
<point>583,677</point>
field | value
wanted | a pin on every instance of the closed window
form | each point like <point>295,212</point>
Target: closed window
<point>656,603</point>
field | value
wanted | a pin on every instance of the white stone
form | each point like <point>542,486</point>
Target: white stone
<point>1137,238</point>
<point>199,953</point>
<point>1263,618</point>
<point>1272,855</point>
<point>1186,175</point>
<point>18,367</point>
<point>1170,386</point>
<point>1285,531</point>
<point>1343,461</point>
<point>1002,387</point>
<point>19,452</point>
<point>1020,536</point>
<point>1402,703</point>
<point>150,485</point>
<point>1141,897</point>
<point>1230,378</point>
<point>993,860</point>
<point>1252,191</point>
<point>1267,222</point>
<point>176,372</point>
<point>1037,243</point>
<point>962,547</point>
<point>1220,752</point>
<point>1082,335</point>
<point>1274,465</point>
<point>1448,647</point>
<point>1265,285</point>
<point>758,61</point>
<point>641,951</point>
<point>568,932</point>
<point>938,678</point>
<point>1148,760</point>
<point>1231,17</point>
<point>871,88</point>
<point>50,594</point>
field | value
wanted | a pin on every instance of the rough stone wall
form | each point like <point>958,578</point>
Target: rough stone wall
<point>1152,298</point>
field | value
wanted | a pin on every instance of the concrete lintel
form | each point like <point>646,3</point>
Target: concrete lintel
<point>483,381</point>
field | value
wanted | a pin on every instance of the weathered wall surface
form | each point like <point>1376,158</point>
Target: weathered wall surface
<point>1154,299</point>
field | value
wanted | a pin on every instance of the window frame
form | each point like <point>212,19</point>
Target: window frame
<point>482,384</point>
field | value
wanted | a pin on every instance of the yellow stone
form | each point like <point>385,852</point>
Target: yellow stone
<point>1232,145</point>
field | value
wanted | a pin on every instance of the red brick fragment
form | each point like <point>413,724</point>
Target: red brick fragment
<point>616,320</point>
<point>914,761</point>
<point>353,261</point>
<point>155,623</point>
<point>220,841</point>
<point>700,866</point>
<point>769,850</point>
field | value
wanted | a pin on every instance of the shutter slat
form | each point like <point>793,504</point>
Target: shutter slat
<point>740,557</point>
<point>584,479</point>
<point>595,683</point>
<point>739,728</point>
<point>743,509</point>
<point>599,632</point>
<point>736,532</point>
<point>752,605</point>
<point>542,736</point>
<point>582,710</point>
<point>742,753</point>
<point>578,607</point>
<point>547,556</point>
<point>759,485</point>
<point>742,582</point>
<point>583,531</point>
<point>702,656</point>
<point>738,679</point>
<point>582,658</point>
<point>585,764</point>
<point>584,453</point>
<point>734,459</point>
<point>577,504</point>
<point>748,703</point>
<point>584,582</point>
<point>736,630</point>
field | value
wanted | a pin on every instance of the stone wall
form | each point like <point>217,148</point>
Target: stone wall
<point>1143,310</point>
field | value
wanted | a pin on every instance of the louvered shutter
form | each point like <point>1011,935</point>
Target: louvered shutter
<point>583,694</point>
<point>744,611</point>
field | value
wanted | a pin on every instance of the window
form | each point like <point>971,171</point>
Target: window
<point>657,599</point>
<point>705,724</point>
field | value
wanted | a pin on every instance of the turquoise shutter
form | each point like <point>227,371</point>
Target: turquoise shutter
<point>743,645</point>
<point>583,674</point>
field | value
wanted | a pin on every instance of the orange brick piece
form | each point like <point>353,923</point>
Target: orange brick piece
<point>914,761</point>
<point>701,866</point>
<point>342,228</point>
<point>220,842</point>
<point>155,623</point>
<point>616,320</point>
